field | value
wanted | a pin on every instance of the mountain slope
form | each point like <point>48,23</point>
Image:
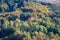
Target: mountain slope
<point>30,21</point>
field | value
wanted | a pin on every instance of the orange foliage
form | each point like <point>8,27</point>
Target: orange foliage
<point>40,36</point>
<point>31,18</point>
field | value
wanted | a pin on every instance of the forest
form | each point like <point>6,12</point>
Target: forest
<point>29,20</point>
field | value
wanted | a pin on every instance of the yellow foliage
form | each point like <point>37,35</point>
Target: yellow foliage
<point>26,24</point>
<point>6,23</point>
<point>58,19</point>
<point>41,8</point>
<point>17,12</point>
<point>4,5</point>
<point>17,31</point>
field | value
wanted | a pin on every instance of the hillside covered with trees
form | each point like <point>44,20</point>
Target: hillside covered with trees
<point>29,20</point>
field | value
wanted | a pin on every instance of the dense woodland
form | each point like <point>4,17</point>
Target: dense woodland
<point>29,20</point>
